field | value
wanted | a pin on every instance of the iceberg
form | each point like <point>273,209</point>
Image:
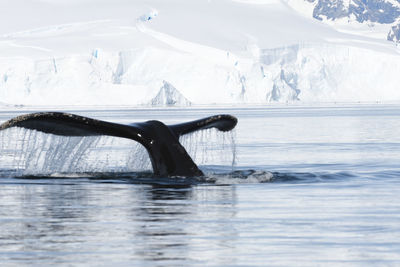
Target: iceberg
<point>169,96</point>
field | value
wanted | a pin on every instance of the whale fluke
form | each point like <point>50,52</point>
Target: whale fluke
<point>167,155</point>
<point>223,123</point>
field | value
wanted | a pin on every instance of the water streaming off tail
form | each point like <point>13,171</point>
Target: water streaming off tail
<point>211,147</point>
<point>30,152</point>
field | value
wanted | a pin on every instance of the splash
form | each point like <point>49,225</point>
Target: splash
<point>211,147</point>
<point>241,177</point>
<point>29,152</point>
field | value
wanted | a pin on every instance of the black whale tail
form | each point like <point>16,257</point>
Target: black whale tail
<point>167,155</point>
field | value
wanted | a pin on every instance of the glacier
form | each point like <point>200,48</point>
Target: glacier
<point>158,53</point>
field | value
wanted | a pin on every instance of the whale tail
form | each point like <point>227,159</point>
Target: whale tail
<point>167,155</point>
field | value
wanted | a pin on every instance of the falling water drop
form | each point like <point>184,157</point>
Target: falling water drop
<point>28,152</point>
<point>210,146</point>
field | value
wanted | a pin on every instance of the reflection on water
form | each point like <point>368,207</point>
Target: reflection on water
<point>113,222</point>
<point>82,221</point>
<point>171,220</point>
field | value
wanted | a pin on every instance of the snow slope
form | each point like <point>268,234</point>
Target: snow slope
<point>124,52</point>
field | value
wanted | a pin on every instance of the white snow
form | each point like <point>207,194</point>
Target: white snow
<point>303,7</point>
<point>120,52</point>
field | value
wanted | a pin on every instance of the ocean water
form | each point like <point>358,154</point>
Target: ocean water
<point>291,186</point>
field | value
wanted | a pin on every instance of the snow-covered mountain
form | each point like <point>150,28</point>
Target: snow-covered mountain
<point>121,52</point>
<point>367,12</point>
<point>380,11</point>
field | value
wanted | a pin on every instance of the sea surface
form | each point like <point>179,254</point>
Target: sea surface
<point>293,185</point>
